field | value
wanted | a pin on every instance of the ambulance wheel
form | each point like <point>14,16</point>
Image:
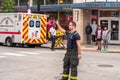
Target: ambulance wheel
<point>9,42</point>
<point>31,46</point>
<point>1,44</point>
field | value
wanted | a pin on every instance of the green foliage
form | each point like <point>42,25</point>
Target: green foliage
<point>7,6</point>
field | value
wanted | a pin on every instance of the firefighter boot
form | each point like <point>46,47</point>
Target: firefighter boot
<point>74,63</point>
<point>66,66</point>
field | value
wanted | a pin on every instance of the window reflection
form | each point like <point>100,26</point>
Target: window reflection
<point>109,13</point>
<point>65,18</point>
<point>49,2</point>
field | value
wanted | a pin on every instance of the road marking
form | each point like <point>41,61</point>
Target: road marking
<point>35,52</point>
<point>119,76</point>
<point>13,54</point>
<point>44,52</point>
<point>26,52</point>
<point>2,56</point>
<point>50,51</point>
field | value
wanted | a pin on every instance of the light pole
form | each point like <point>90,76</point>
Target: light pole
<point>30,4</point>
<point>18,3</point>
<point>38,6</point>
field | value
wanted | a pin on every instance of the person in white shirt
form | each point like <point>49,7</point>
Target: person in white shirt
<point>53,34</point>
<point>94,27</point>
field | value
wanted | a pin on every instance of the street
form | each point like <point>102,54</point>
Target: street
<point>43,64</point>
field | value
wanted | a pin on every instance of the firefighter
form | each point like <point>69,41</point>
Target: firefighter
<point>73,53</point>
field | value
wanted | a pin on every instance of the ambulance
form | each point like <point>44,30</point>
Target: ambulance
<point>22,28</point>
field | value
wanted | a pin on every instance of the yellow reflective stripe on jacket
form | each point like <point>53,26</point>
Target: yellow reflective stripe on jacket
<point>74,78</point>
<point>65,75</point>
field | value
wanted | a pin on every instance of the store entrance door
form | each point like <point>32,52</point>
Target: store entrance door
<point>113,25</point>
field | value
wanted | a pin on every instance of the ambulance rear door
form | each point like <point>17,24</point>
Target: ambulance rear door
<point>34,29</point>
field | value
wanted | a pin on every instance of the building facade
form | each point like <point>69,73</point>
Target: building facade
<point>105,13</point>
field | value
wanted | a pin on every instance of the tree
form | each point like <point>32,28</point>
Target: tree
<point>7,6</point>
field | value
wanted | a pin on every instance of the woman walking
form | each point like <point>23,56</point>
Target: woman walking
<point>99,37</point>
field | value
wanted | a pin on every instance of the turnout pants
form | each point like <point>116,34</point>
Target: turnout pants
<point>71,62</point>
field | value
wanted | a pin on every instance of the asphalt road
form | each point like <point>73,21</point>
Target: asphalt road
<point>43,64</point>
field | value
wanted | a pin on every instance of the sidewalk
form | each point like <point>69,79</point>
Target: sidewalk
<point>91,47</point>
<point>111,49</point>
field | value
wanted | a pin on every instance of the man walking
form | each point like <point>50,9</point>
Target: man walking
<point>53,34</point>
<point>88,33</point>
<point>73,54</point>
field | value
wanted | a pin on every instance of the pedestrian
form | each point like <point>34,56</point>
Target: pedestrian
<point>88,33</point>
<point>94,27</point>
<point>99,37</point>
<point>73,53</point>
<point>49,25</point>
<point>53,36</point>
<point>105,37</point>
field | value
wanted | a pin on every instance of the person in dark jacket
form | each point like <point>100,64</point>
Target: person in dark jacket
<point>88,33</point>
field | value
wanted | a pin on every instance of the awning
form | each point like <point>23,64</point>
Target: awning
<point>97,5</point>
<point>88,5</point>
<point>46,7</point>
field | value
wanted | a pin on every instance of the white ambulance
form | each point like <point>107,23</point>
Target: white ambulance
<point>22,28</point>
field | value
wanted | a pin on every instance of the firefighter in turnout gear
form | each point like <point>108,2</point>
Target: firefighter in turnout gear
<point>73,53</point>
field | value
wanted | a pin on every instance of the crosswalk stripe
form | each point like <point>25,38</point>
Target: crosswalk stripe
<point>13,54</point>
<point>50,51</point>
<point>26,52</point>
<point>2,56</point>
<point>44,51</point>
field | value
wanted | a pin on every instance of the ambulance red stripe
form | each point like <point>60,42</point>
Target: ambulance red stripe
<point>42,21</point>
<point>34,41</point>
<point>25,27</point>
<point>10,32</point>
<point>44,18</point>
<point>43,28</point>
<point>38,40</point>
<point>25,33</point>
<point>29,40</point>
<point>43,34</point>
<point>42,39</point>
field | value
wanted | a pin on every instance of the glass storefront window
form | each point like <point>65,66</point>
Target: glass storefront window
<point>89,0</point>
<point>100,0</point>
<point>65,18</point>
<point>35,2</point>
<point>109,13</point>
<point>115,29</point>
<point>111,0</point>
<point>49,2</point>
<point>23,2</point>
<point>65,1</point>
<point>104,23</point>
<point>94,16</point>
